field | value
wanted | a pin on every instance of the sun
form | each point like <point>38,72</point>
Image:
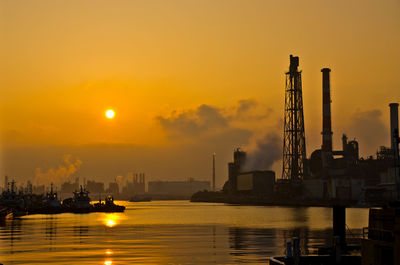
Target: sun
<point>110,114</point>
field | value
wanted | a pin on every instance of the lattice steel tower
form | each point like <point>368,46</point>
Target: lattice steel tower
<point>294,142</point>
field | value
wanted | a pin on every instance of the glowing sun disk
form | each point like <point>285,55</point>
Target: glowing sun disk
<point>110,114</point>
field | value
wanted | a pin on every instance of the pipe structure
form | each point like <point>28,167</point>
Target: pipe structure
<point>326,111</point>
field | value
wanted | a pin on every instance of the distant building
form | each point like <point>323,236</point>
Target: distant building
<point>38,189</point>
<point>29,187</point>
<point>113,188</point>
<point>68,187</point>
<point>234,169</point>
<point>137,186</point>
<point>177,188</point>
<point>5,183</point>
<point>95,187</point>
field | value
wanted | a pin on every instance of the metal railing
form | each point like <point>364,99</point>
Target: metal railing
<point>378,234</point>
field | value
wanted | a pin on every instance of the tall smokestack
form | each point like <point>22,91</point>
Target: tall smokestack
<point>326,111</point>
<point>213,180</point>
<point>394,123</point>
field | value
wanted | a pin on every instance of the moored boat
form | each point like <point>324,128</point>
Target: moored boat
<point>81,202</point>
<point>108,206</point>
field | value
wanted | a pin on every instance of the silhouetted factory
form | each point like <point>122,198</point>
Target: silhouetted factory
<point>327,175</point>
<point>137,186</point>
<point>176,189</point>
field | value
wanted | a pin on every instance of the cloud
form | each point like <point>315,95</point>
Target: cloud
<point>250,110</point>
<point>244,105</point>
<point>194,122</point>
<point>246,114</point>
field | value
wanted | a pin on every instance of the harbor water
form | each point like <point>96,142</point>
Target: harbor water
<point>170,232</point>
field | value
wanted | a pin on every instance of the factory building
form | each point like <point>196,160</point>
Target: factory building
<point>389,185</point>
<point>328,175</point>
<point>234,169</point>
<point>342,174</point>
<point>258,183</point>
<point>95,187</point>
<point>113,188</point>
<point>333,174</point>
<point>137,186</point>
<point>177,188</point>
<point>69,187</point>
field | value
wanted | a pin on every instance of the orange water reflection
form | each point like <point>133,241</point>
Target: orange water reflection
<point>111,219</point>
<point>169,232</point>
<point>108,253</point>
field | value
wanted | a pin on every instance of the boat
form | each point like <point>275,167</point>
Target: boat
<point>5,213</point>
<point>50,205</point>
<point>81,202</point>
<point>52,200</point>
<point>109,206</point>
<point>11,199</point>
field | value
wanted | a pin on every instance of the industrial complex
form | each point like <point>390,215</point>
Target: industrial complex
<point>327,176</point>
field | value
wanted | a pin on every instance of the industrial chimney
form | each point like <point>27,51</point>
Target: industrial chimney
<point>213,173</point>
<point>394,123</point>
<point>326,112</point>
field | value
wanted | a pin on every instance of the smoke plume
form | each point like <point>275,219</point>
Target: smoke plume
<point>370,130</point>
<point>263,152</point>
<point>120,180</point>
<point>60,174</point>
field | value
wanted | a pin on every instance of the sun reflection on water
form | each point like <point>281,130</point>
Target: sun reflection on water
<point>111,219</point>
<point>108,262</point>
<point>111,223</point>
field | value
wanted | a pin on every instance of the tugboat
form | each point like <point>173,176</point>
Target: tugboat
<point>52,200</point>
<point>109,206</point>
<point>51,204</point>
<point>81,202</point>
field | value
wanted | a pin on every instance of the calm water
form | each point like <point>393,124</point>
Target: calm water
<point>168,232</point>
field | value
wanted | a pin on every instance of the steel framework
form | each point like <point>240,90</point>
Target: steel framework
<point>294,142</point>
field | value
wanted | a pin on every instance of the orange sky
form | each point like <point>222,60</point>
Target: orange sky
<point>65,62</point>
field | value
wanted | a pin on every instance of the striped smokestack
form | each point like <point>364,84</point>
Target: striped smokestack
<point>326,111</point>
